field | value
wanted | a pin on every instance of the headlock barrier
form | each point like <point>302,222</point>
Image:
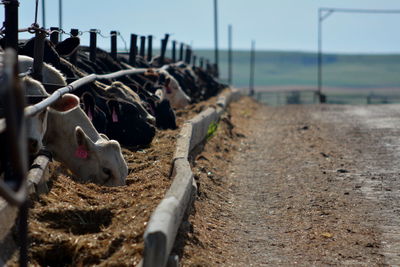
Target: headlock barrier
<point>17,183</point>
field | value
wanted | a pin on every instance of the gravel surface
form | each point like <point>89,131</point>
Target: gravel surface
<point>298,186</point>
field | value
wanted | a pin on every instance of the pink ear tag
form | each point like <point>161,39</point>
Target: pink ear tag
<point>90,114</point>
<point>114,116</point>
<point>81,152</point>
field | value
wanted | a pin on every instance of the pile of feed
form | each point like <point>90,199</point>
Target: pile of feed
<point>84,224</point>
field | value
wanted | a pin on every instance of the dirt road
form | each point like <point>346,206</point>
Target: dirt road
<point>305,186</point>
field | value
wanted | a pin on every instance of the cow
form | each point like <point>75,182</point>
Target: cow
<point>91,157</point>
<point>72,139</point>
<point>172,90</point>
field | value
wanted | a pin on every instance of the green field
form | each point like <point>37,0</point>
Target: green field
<point>300,69</point>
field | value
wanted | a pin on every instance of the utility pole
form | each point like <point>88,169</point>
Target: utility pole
<point>252,65</point>
<point>43,14</point>
<point>230,54</point>
<point>216,37</point>
<point>60,17</point>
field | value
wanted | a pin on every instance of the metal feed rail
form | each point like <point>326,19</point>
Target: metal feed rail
<point>34,109</point>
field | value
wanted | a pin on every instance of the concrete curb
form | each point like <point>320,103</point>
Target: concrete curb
<point>164,223</point>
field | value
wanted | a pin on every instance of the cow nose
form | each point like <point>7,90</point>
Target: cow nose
<point>33,146</point>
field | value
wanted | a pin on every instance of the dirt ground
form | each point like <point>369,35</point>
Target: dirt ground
<point>277,186</point>
<point>298,186</point>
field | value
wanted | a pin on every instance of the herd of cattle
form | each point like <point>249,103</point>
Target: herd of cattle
<point>84,130</point>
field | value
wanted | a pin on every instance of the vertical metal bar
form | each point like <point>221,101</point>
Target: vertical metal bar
<point>230,54</point>
<point>74,56</point>
<point>319,52</point>
<point>202,62</point>
<point>173,51</point>
<point>43,14</point>
<point>38,55</point>
<point>142,45</point>
<point>60,19</point>
<point>15,133</point>
<point>93,45</point>
<point>181,52</point>
<point>252,65</point>
<point>113,44</point>
<point>54,35</point>
<point>133,50</point>
<point>216,37</point>
<point>149,47</point>
<point>11,24</point>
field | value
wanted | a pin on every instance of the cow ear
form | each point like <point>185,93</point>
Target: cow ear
<point>83,143</point>
<point>68,46</point>
<point>66,102</point>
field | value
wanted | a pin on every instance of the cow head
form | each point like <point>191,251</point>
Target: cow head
<point>101,161</point>
<point>173,92</point>
<point>91,157</point>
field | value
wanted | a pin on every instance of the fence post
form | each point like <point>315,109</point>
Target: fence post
<point>188,55</point>
<point>173,51</point>
<point>149,48</point>
<point>93,44</point>
<point>202,62</point>
<point>252,66</point>
<point>54,35</point>
<point>113,44</point>
<point>74,56</point>
<point>142,45</point>
<point>11,24</point>
<point>181,52</point>
<point>194,60</point>
<point>38,55</point>
<point>133,50</point>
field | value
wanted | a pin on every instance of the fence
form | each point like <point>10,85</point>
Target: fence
<point>14,160</point>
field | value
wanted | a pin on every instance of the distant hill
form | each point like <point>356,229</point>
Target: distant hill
<point>300,69</point>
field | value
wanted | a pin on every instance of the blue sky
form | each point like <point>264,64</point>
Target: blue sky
<point>274,24</point>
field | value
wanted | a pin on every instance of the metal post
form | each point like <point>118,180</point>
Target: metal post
<point>173,51</point>
<point>319,52</point>
<point>60,11</point>
<point>38,55</point>
<point>252,65</point>
<point>74,56</point>
<point>230,54</point>
<point>113,44</point>
<point>202,62</point>
<point>43,14</point>
<point>133,50</point>
<point>181,52</point>
<point>149,47</point>
<point>93,45</point>
<point>216,37</point>
<point>11,24</point>
<point>54,35</point>
<point>142,45</point>
<point>13,187</point>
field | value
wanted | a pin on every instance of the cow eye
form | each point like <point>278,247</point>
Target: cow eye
<point>107,171</point>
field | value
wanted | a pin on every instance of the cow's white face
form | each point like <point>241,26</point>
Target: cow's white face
<point>174,93</point>
<point>101,162</point>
